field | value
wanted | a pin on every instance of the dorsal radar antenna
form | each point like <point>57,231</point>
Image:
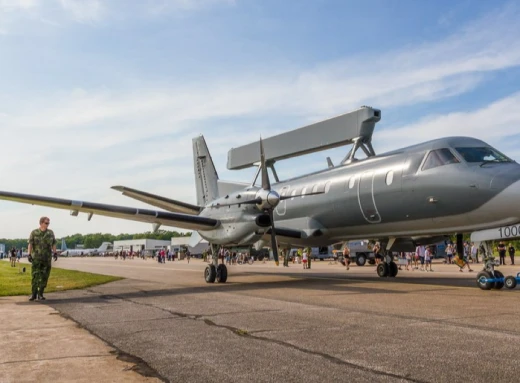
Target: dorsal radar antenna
<point>354,128</point>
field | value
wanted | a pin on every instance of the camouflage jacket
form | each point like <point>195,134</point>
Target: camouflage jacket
<point>42,243</point>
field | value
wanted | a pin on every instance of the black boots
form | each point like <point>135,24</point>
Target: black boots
<point>33,296</point>
<point>37,294</point>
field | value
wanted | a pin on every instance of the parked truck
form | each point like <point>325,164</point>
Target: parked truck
<point>361,252</point>
<point>321,253</point>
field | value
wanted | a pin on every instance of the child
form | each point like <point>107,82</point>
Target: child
<point>428,258</point>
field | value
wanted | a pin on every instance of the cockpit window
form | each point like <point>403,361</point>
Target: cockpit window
<point>483,154</point>
<point>439,157</point>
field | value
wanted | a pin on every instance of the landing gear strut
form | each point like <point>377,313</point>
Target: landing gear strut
<point>214,271</point>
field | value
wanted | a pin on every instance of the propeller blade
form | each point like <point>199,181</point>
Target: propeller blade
<point>274,244</point>
<point>266,185</point>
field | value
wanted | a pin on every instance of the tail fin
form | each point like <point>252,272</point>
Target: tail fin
<point>63,245</point>
<point>105,246</point>
<point>206,176</point>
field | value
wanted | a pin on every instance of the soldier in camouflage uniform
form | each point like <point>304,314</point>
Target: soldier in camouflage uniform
<point>42,246</point>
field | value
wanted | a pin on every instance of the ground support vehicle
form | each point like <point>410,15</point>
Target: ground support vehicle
<point>511,281</point>
<point>361,252</point>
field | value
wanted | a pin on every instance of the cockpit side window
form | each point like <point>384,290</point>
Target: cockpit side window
<point>439,157</point>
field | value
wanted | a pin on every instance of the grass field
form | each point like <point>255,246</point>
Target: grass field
<point>13,282</point>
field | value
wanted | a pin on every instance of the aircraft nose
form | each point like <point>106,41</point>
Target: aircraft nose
<point>505,178</point>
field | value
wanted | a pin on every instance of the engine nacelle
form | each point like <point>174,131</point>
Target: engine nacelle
<point>263,220</point>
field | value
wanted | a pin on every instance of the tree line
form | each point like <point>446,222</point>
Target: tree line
<point>91,241</point>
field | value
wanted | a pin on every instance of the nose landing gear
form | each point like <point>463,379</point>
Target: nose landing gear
<point>489,278</point>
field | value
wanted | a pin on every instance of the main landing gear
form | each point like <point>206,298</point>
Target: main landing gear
<point>214,271</point>
<point>218,273</point>
<point>387,268</point>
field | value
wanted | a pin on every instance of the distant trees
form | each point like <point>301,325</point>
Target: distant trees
<point>95,240</point>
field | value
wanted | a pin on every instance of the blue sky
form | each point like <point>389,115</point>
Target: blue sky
<point>98,93</point>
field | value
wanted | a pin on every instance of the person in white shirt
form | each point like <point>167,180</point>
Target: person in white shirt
<point>449,253</point>
<point>420,252</point>
<point>428,258</point>
<point>304,260</point>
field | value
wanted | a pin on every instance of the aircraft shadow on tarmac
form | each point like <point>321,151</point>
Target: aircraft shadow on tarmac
<point>331,284</point>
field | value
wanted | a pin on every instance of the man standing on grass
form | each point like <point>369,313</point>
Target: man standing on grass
<point>42,245</point>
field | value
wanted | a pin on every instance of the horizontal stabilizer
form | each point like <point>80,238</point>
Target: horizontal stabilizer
<point>183,221</point>
<point>158,201</point>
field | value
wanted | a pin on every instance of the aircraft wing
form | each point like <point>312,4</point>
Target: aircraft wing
<point>158,201</point>
<point>183,221</point>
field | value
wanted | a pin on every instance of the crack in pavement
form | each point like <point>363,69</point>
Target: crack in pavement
<point>328,357</point>
<point>325,356</point>
<point>139,365</point>
<point>245,334</point>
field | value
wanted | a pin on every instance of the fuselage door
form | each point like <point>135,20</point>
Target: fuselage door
<point>366,198</point>
<point>281,209</point>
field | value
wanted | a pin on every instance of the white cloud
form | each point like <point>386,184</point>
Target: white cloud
<point>78,143</point>
<point>494,123</point>
<point>84,11</point>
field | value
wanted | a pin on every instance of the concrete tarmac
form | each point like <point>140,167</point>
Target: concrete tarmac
<point>276,324</point>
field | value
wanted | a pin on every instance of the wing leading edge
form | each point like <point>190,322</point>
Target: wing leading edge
<point>171,205</point>
<point>179,220</point>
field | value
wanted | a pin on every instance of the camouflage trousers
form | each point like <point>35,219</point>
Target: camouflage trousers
<point>41,269</point>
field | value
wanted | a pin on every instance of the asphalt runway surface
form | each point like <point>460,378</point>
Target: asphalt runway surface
<point>276,324</point>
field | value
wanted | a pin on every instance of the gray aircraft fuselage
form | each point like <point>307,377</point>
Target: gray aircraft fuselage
<point>393,195</point>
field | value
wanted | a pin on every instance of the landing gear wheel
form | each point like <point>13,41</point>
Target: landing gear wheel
<point>382,270</point>
<point>499,285</point>
<point>361,260</point>
<point>221,273</point>
<point>392,269</point>
<point>210,273</point>
<point>510,282</point>
<point>481,281</point>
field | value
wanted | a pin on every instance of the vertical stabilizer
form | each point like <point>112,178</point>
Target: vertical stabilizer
<point>206,176</point>
<point>105,246</point>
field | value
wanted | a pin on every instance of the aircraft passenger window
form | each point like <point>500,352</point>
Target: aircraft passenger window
<point>439,157</point>
<point>293,193</point>
<point>390,177</point>
<point>352,182</point>
<point>321,188</point>
<point>304,191</point>
<point>327,186</point>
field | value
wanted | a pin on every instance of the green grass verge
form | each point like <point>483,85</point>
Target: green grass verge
<point>13,282</point>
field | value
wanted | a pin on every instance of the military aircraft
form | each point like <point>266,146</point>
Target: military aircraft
<point>105,246</point>
<point>415,195</point>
